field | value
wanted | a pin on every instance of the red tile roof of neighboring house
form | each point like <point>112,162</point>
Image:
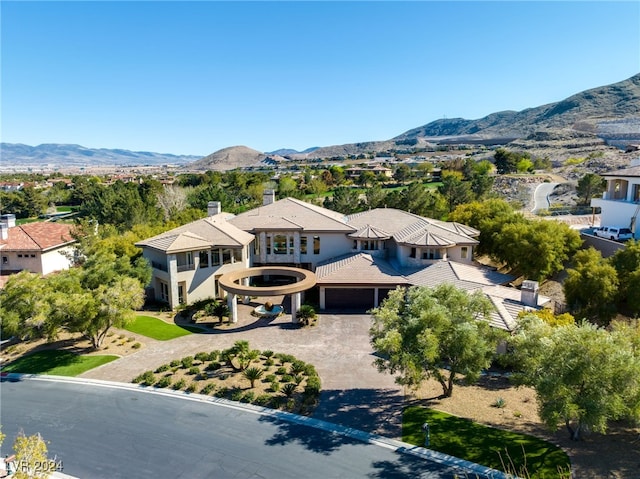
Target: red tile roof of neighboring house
<point>39,236</point>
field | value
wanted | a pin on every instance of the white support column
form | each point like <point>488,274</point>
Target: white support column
<point>246,298</point>
<point>233,307</point>
<point>295,306</point>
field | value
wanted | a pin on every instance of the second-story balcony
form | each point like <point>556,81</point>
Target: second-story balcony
<point>186,267</point>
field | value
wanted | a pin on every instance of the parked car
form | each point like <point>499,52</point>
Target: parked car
<point>613,233</point>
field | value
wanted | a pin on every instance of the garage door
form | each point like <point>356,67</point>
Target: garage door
<point>349,299</point>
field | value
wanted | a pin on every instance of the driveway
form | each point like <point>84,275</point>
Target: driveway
<point>354,393</point>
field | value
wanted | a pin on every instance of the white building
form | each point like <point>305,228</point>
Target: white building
<point>620,203</point>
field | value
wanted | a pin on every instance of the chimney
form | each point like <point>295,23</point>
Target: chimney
<point>268,197</point>
<point>4,231</point>
<point>8,219</point>
<point>529,293</point>
<point>213,208</point>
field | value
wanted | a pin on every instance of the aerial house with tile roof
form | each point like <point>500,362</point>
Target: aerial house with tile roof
<point>357,258</point>
<point>42,247</point>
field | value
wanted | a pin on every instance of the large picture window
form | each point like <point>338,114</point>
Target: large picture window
<point>204,259</point>
<point>215,257</point>
<point>316,245</point>
<point>303,245</point>
<point>280,244</point>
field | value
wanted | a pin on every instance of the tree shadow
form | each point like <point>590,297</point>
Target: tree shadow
<point>377,411</point>
<point>40,362</point>
<point>316,440</point>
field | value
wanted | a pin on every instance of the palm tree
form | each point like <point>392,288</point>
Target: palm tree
<point>220,310</point>
<point>253,374</point>
<point>306,314</point>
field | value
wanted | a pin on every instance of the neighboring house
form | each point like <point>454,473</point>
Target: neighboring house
<point>357,258</point>
<point>42,247</point>
<point>620,203</point>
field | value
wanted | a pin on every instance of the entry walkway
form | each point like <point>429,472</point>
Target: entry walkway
<point>354,393</point>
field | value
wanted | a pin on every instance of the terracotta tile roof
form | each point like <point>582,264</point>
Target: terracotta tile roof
<point>40,236</point>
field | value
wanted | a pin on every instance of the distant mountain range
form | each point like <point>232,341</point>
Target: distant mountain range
<point>69,156</point>
<point>608,113</point>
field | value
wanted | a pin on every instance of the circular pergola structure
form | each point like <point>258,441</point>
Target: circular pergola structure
<point>237,283</point>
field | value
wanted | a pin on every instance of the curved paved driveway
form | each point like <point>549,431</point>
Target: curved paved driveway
<point>354,393</point>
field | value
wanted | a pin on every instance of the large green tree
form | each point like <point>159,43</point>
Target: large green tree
<point>626,261</point>
<point>591,287</point>
<point>536,249</point>
<point>588,186</point>
<point>584,376</point>
<point>440,333</point>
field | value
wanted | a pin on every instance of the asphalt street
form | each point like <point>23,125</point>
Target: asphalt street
<point>103,432</point>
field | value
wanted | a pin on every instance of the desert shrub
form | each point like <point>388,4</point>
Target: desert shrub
<point>187,362</point>
<point>208,388</point>
<point>213,355</point>
<point>285,358</point>
<point>164,382</point>
<point>297,367</point>
<point>286,378</point>
<point>248,397</point>
<point>310,370</point>
<point>288,389</point>
<point>202,357</point>
<point>281,370</point>
<point>275,387</point>
<point>192,388</point>
<point>267,353</point>
<point>269,362</point>
<point>270,378</point>
<point>222,392</point>
<point>213,366</point>
<point>499,403</point>
<point>175,363</point>
<point>236,394</point>
<point>163,368</point>
<point>146,379</point>
<point>312,388</point>
<point>262,400</point>
<point>180,384</point>
<point>298,379</point>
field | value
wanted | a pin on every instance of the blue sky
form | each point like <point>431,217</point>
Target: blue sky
<point>195,77</point>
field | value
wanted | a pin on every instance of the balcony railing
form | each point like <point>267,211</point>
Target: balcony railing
<point>160,266</point>
<point>186,267</point>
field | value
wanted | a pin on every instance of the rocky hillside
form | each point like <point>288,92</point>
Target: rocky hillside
<point>608,114</point>
<point>233,157</point>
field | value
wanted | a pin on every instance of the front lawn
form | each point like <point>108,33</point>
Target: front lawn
<point>155,328</point>
<point>524,455</point>
<point>58,363</point>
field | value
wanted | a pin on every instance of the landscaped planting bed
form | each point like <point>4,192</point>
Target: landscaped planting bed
<point>264,378</point>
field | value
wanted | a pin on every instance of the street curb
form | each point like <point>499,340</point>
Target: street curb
<point>375,439</point>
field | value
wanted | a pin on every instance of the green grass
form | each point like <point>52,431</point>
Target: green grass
<point>156,328</point>
<point>58,363</point>
<point>485,445</point>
